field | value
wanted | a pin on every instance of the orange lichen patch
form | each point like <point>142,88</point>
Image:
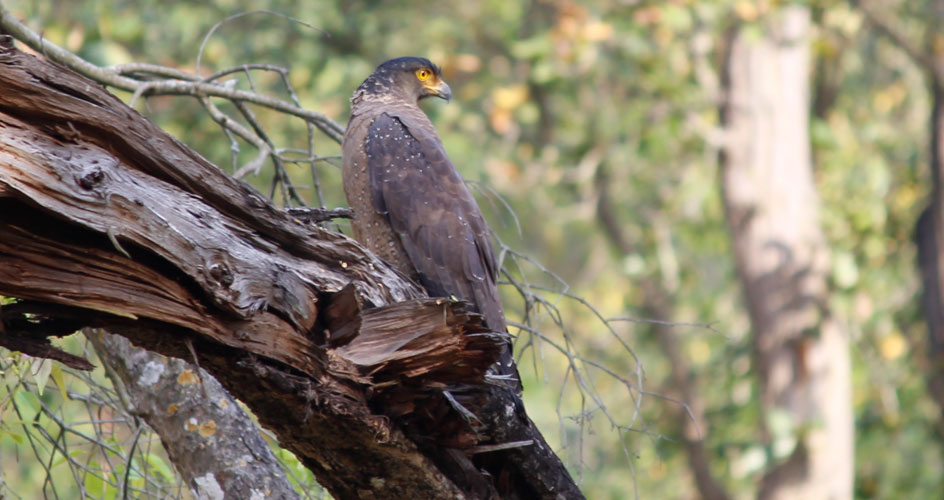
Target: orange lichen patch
<point>223,403</point>
<point>187,377</point>
<point>208,428</point>
<point>191,425</point>
<point>172,408</point>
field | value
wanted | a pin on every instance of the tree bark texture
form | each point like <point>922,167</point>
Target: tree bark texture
<point>212,442</point>
<point>771,206</point>
<point>106,221</point>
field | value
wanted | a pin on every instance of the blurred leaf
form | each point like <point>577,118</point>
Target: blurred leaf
<point>60,381</point>
<point>893,346</point>
<point>15,436</point>
<point>532,48</point>
<point>39,370</point>
<point>845,270</point>
<point>28,404</point>
<point>93,485</point>
<point>676,17</point>
<point>159,465</point>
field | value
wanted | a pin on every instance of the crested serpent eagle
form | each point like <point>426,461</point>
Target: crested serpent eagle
<point>411,206</point>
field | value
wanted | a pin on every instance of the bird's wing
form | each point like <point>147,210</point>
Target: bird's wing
<point>434,214</point>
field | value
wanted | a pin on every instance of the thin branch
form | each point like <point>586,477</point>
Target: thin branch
<point>887,23</point>
<point>491,194</point>
<point>229,125</point>
<point>193,86</point>
<point>658,301</point>
<point>578,365</point>
<point>246,68</point>
<point>281,175</point>
<point>243,14</point>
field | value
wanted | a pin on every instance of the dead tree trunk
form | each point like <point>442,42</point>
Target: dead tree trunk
<point>771,206</point>
<point>107,221</point>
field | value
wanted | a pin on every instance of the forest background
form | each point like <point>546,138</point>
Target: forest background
<point>593,132</point>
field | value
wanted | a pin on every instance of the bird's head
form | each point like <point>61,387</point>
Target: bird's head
<point>413,78</point>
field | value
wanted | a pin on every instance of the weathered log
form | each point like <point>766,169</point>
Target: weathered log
<point>107,221</point>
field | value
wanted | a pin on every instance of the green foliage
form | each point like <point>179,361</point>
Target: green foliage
<point>74,440</point>
<point>555,101</point>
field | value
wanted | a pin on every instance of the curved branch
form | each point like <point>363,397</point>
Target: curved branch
<point>183,84</point>
<point>888,25</point>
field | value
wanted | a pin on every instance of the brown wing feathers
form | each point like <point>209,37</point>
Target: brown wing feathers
<point>432,211</point>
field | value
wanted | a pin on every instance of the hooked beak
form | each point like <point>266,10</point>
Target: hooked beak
<point>441,89</point>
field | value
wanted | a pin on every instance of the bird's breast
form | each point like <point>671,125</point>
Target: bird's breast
<point>370,224</point>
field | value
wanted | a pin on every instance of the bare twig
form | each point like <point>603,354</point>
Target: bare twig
<point>243,14</point>
<point>281,175</point>
<point>179,85</point>
<point>888,25</point>
<point>106,436</point>
<point>579,367</point>
<point>318,215</point>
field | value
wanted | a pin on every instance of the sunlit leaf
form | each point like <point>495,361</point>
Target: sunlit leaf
<point>39,370</point>
<point>27,403</point>
<point>60,381</point>
<point>159,465</point>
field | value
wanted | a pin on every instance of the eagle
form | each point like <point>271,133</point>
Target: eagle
<point>411,207</point>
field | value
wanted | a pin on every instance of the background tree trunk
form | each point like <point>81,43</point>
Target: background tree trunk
<point>658,304</point>
<point>212,442</point>
<point>771,206</point>
<point>929,236</point>
<point>929,231</point>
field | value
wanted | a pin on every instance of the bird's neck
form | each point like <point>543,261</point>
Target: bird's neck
<point>374,91</point>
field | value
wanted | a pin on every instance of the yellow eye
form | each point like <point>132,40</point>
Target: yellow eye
<point>423,74</point>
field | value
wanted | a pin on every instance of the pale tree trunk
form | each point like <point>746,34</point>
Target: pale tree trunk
<point>212,442</point>
<point>800,354</point>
